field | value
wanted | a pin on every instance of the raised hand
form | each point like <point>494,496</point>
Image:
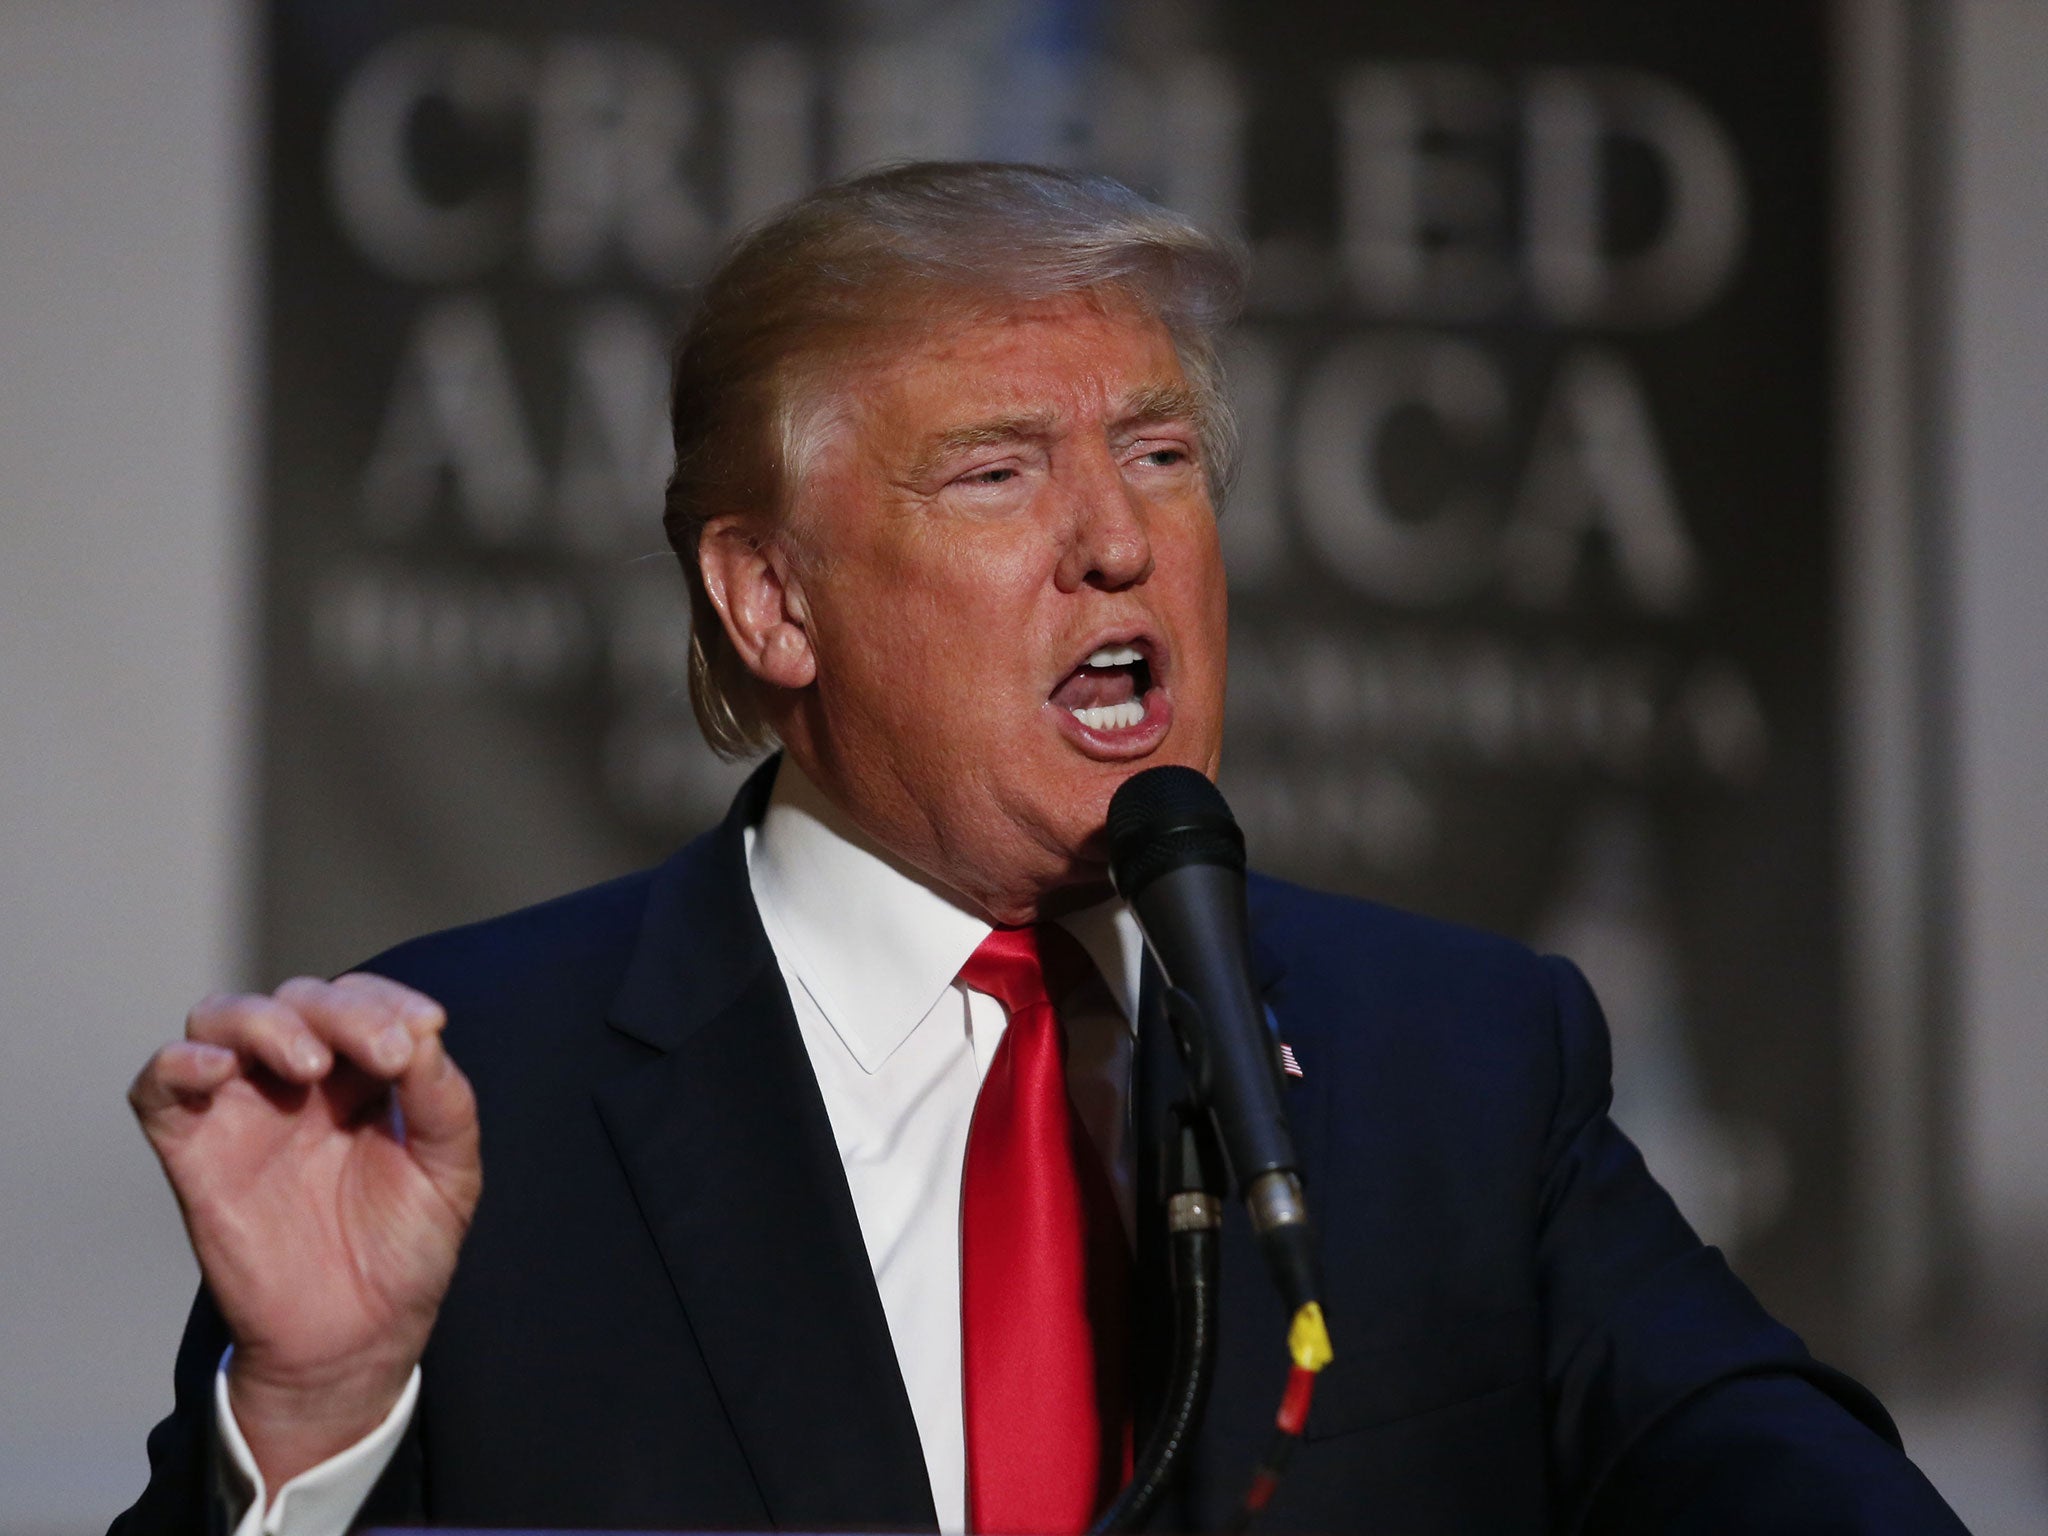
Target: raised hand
<point>323,1148</point>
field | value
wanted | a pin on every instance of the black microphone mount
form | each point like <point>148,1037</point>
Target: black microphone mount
<point>1177,856</point>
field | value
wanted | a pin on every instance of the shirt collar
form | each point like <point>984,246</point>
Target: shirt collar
<point>875,942</point>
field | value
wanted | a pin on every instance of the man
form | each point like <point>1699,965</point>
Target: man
<point>949,443</point>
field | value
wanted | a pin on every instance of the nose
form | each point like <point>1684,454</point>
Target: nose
<point>1109,545</point>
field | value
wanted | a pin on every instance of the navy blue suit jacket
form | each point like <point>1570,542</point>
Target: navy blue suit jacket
<point>664,1315</point>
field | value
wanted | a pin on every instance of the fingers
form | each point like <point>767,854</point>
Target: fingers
<point>181,1072</point>
<point>387,1032</point>
<point>297,1033</point>
<point>400,1030</point>
<point>374,1022</point>
<point>263,1029</point>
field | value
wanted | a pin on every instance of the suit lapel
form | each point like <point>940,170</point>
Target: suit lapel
<point>725,1140</point>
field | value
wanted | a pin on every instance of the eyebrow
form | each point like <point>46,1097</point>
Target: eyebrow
<point>1144,407</point>
<point>1160,402</point>
<point>980,434</point>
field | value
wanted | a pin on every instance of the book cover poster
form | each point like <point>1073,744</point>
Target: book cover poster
<point>1533,582</point>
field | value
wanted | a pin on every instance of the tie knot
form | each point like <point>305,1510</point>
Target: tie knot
<point>1020,967</point>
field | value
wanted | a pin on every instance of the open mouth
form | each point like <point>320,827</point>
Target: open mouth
<point>1109,690</point>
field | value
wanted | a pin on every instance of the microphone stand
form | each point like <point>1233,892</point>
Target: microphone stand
<point>1194,1215</point>
<point>1177,856</point>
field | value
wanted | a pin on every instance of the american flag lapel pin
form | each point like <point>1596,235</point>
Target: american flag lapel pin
<point>1287,1062</point>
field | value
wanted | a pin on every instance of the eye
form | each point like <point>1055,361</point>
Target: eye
<point>1000,475</point>
<point>1162,455</point>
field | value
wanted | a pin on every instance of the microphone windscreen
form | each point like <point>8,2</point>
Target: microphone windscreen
<point>1165,818</point>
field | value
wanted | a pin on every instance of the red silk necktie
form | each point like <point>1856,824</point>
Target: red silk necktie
<point>1044,1271</point>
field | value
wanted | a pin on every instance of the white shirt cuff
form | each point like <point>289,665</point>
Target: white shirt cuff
<point>320,1501</point>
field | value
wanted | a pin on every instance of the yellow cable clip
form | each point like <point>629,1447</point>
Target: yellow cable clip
<point>1308,1339</point>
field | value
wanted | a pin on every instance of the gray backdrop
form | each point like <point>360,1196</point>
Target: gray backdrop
<point>1532,566</point>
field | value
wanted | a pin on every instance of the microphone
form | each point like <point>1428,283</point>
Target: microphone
<point>1177,856</point>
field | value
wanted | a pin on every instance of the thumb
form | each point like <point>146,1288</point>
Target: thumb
<point>437,1108</point>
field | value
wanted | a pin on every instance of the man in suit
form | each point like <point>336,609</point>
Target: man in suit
<point>756,1250</point>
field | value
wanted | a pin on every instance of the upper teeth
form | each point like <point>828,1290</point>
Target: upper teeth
<point>1114,656</point>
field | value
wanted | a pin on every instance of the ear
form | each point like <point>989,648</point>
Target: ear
<point>760,600</point>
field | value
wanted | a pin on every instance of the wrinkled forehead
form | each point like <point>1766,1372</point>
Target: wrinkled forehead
<point>1033,368</point>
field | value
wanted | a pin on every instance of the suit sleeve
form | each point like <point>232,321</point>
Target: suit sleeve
<point>1677,1403</point>
<point>191,1487</point>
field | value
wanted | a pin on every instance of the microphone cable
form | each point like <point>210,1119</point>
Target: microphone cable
<point>1194,1220</point>
<point>1308,1343</point>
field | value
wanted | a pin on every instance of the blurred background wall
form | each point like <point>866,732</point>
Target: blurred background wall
<point>131,416</point>
<point>125,564</point>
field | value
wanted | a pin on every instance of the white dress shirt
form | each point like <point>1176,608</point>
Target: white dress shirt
<point>871,952</point>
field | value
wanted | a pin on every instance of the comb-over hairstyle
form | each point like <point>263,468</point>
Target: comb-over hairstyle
<point>910,245</point>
